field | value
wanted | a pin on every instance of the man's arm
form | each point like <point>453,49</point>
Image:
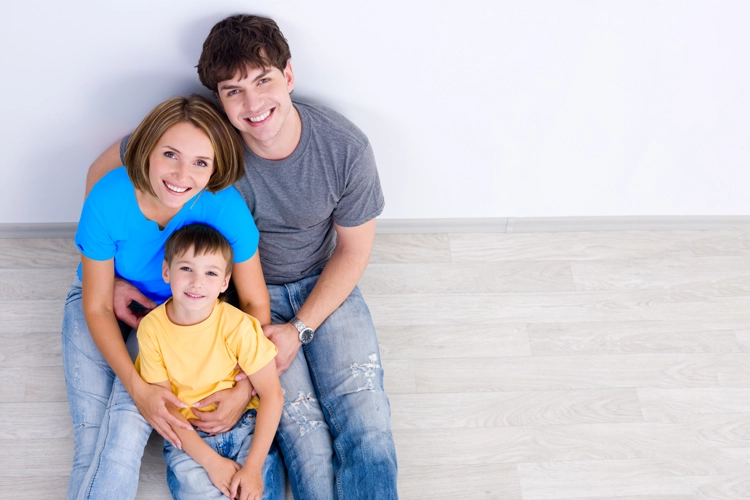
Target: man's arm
<point>107,161</point>
<point>339,277</point>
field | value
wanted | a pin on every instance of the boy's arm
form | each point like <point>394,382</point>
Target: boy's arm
<point>220,470</point>
<point>249,479</point>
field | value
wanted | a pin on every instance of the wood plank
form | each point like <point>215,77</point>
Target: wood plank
<point>38,253</point>
<point>452,341</point>
<point>31,316</point>
<point>467,278</point>
<point>490,247</point>
<point>410,248</point>
<point>489,482</point>
<point>632,337</point>
<point>515,408</point>
<point>31,349</point>
<point>35,284</point>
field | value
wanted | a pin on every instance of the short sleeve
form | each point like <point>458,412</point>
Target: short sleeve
<point>252,348</point>
<point>236,223</point>
<point>362,199</point>
<point>150,362</point>
<point>93,237</point>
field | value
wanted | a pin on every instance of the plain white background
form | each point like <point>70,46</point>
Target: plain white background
<point>474,108</point>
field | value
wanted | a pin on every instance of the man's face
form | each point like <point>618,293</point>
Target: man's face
<point>259,105</point>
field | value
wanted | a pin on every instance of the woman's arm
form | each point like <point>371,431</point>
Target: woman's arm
<point>251,289</point>
<point>98,285</point>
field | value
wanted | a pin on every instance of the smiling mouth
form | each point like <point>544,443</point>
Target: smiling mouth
<point>255,120</point>
<point>193,295</point>
<point>176,189</point>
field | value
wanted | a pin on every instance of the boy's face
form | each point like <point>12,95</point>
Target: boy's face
<point>259,104</point>
<point>196,280</point>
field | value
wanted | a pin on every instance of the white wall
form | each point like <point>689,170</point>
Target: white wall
<point>475,108</point>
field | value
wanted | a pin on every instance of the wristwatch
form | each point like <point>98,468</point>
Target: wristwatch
<point>306,333</point>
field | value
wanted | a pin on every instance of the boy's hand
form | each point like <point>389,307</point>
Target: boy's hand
<point>221,471</point>
<point>247,484</point>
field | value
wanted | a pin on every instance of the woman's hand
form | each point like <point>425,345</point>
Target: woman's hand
<point>151,401</point>
<point>230,405</point>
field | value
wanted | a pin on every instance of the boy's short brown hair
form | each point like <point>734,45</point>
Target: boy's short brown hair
<point>238,43</point>
<point>229,160</point>
<point>202,238</point>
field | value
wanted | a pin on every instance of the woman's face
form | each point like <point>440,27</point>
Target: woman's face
<point>181,164</point>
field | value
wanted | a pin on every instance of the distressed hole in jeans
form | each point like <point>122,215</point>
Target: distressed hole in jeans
<point>364,373</point>
<point>298,410</point>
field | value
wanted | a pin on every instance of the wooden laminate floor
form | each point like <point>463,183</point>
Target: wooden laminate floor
<point>576,365</point>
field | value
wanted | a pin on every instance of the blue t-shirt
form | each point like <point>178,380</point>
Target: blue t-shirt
<point>113,226</point>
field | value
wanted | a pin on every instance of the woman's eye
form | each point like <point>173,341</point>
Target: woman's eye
<point>169,154</point>
<point>201,163</point>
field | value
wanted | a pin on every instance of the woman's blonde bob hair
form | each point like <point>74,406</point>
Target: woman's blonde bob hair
<point>229,161</point>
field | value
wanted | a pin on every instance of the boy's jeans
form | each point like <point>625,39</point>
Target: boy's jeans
<point>334,402</point>
<point>108,431</point>
<point>189,481</point>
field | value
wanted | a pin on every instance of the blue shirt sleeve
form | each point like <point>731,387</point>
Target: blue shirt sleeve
<point>234,220</point>
<point>93,237</point>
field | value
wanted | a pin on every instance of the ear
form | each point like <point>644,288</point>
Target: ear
<point>289,76</point>
<point>225,285</point>
<point>165,271</point>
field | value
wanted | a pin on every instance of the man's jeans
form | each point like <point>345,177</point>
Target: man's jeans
<point>109,433</point>
<point>189,481</point>
<point>335,410</point>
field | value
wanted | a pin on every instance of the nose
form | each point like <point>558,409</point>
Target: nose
<point>252,101</point>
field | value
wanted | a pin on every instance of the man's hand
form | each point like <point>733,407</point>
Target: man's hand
<point>230,405</point>
<point>286,339</point>
<point>124,294</point>
<point>151,401</point>
<point>221,471</point>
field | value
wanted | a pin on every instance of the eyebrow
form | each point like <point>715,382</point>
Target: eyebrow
<point>231,86</point>
<point>167,146</point>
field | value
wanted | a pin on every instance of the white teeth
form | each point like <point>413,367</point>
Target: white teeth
<point>261,117</point>
<point>175,188</point>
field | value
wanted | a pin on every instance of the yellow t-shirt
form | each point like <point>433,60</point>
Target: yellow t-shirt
<point>199,360</point>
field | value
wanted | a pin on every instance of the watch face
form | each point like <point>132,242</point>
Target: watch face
<point>306,335</point>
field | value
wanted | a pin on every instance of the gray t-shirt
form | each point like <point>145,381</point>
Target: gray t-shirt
<point>330,177</point>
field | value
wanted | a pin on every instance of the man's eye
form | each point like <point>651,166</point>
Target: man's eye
<point>264,80</point>
<point>233,92</point>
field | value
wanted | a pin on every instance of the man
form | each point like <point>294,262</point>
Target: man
<point>313,188</point>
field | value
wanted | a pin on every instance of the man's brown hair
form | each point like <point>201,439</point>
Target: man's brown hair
<point>202,238</point>
<point>229,161</point>
<point>238,43</point>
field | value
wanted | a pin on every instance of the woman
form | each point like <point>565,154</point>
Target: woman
<point>179,166</point>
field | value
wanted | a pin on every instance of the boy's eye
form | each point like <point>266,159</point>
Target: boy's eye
<point>211,273</point>
<point>185,268</point>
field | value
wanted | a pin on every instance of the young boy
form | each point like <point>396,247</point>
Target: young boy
<point>192,344</point>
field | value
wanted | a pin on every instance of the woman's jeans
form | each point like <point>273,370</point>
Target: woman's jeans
<point>109,432</point>
<point>335,432</point>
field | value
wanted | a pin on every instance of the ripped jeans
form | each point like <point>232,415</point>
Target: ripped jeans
<point>335,431</point>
